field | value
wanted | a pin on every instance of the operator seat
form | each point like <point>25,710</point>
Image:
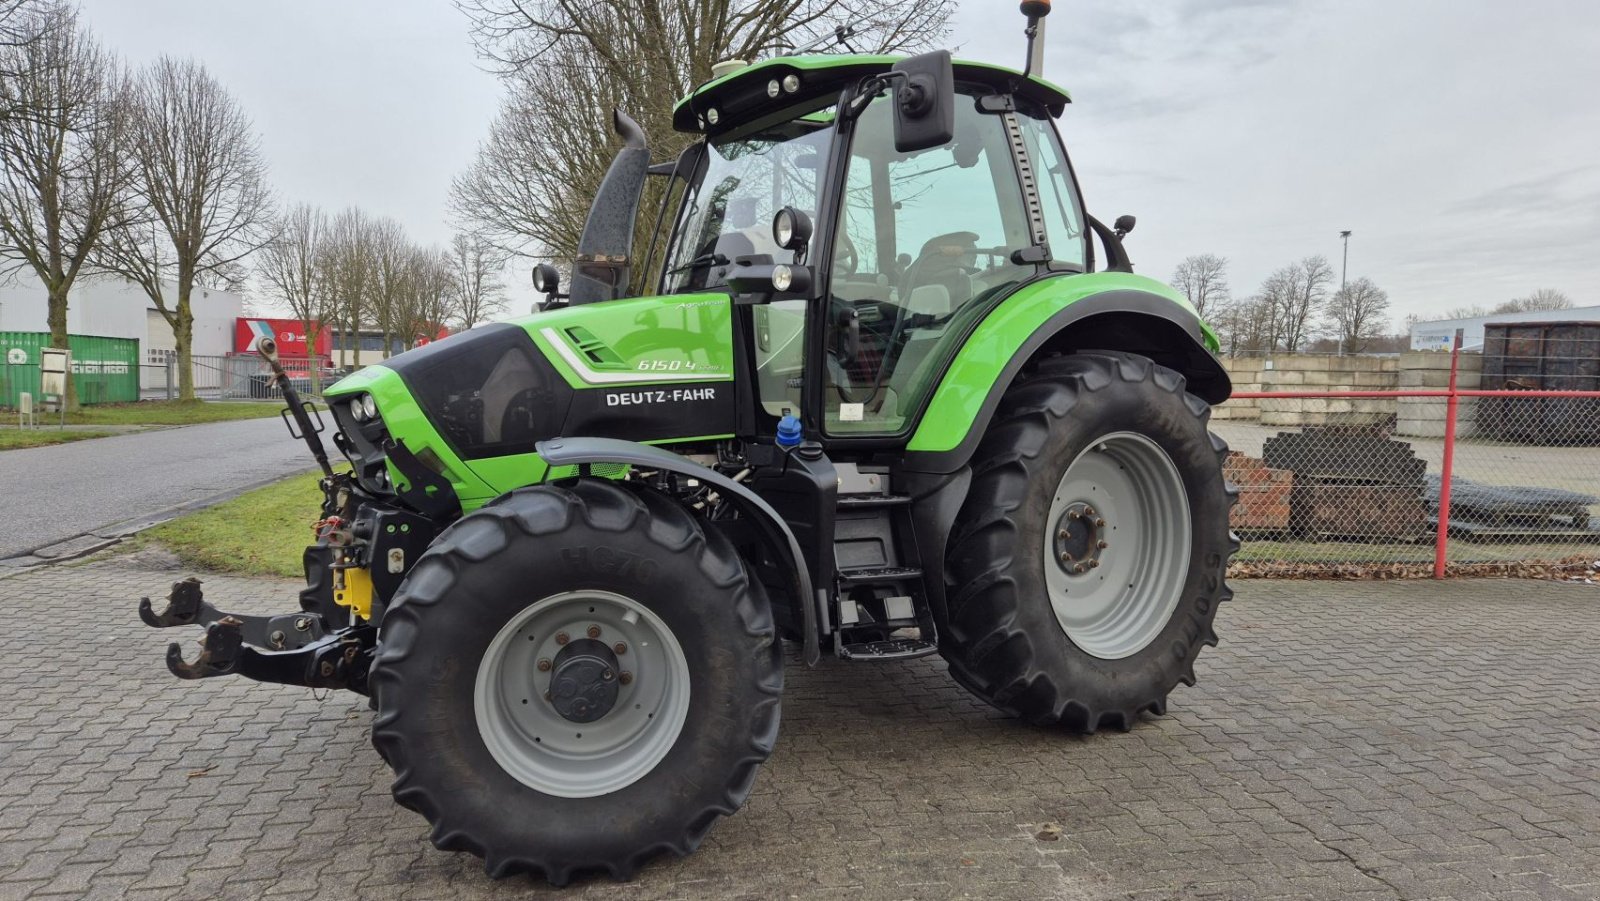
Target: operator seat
<point>940,278</point>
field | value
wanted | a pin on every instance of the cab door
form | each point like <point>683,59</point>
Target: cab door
<point>926,243</point>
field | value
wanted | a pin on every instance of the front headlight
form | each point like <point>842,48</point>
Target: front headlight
<point>369,407</point>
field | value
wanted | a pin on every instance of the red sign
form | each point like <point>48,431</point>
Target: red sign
<point>289,333</point>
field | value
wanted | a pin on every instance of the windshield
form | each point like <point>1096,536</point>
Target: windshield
<point>737,187</point>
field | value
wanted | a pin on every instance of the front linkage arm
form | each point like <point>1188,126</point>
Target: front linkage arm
<point>302,651</point>
<point>186,606</point>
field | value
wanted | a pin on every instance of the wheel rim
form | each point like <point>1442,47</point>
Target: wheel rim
<point>563,644</point>
<point>1116,547</point>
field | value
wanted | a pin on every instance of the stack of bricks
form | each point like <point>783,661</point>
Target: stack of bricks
<point>1263,494</point>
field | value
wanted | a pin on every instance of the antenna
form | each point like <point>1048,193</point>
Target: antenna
<point>1035,10</point>
<point>842,35</point>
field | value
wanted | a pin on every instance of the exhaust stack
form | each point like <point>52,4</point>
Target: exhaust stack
<point>1035,10</point>
<point>605,252</point>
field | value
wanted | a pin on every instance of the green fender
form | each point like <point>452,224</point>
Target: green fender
<point>1097,311</point>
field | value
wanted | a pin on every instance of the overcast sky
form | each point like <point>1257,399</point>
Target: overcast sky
<point>1458,139</point>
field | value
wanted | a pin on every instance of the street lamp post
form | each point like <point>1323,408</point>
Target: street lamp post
<point>1345,266</point>
<point>1344,269</point>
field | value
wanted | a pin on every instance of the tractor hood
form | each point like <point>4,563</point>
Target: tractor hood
<point>656,370</point>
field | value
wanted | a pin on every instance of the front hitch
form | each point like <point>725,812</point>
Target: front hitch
<point>290,649</point>
<point>340,660</point>
<point>186,606</point>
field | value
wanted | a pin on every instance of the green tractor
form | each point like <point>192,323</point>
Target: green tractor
<point>896,394</point>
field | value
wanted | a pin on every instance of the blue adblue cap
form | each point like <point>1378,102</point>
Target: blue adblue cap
<point>788,430</point>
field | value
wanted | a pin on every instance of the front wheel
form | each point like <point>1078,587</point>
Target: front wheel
<point>574,679</point>
<point>1087,562</point>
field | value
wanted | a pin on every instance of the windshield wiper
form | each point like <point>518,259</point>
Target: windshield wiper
<point>704,259</point>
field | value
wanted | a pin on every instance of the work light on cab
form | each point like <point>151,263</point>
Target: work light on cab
<point>791,229</point>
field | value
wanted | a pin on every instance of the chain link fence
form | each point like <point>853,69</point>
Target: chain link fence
<point>1353,483</point>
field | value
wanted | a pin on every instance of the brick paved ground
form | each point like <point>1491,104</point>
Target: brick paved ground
<point>1412,740</point>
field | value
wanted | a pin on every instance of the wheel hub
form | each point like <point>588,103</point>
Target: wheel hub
<point>1080,539</point>
<point>583,681</point>
<point>550,716</point>
<point>1124,492</point>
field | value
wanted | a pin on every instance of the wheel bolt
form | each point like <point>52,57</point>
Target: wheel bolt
<point>1078,568</point>
<point>544,665</point>
<point>594,631</point>
<point>1101,545</point>
<point>1072,514</point>
<point>1062,534</point>
<point>1088,511</point>
<point>561,638</point>
<point>1100,522</point>
<point>1093,564</point>
<point>1066,557</point>
<point>620,648</point>
<point>607,676</point>
<point>625,678</point>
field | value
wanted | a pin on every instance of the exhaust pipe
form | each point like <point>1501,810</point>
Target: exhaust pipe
<point>605,252</point>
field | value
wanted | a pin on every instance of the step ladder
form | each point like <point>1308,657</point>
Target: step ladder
<point>879,603</point>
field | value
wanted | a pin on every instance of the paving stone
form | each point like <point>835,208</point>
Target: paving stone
<point>1346,740</point>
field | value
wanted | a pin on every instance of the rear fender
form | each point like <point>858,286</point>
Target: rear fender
<point>1102,311</point>
<point>773,530</point>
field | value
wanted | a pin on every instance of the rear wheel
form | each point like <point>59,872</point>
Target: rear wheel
<point>574,679</point>
<point>1087,562</point>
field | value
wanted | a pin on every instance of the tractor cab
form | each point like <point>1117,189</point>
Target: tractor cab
<point>899,200</point>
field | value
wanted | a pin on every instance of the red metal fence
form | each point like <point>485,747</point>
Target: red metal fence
<point>1489,480</point>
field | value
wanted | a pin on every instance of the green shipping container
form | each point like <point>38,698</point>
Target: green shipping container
<point>105,370</point>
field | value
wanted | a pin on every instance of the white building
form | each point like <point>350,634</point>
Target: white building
<point>1440,334</point>
<point>113,307</point>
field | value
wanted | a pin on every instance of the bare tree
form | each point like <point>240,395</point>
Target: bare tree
<point>1203,279</point>
<point>295,268</point>
<point>1295,295</point>
<point>60,177</point>
<point>1358,314</point>
<point>428,301</point>
<point>390,252</point>
<point>533,173</point>
<point>24,22</point>
<point>198,171</point>
<point>347,266</point>
<point>1245,326</point>
<point>474,266</point>
<point>1538,301</point>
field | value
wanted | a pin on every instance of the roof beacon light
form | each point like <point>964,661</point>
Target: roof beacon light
<point>1035,10</point>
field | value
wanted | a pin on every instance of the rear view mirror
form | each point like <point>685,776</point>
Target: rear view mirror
<point>924,102</point>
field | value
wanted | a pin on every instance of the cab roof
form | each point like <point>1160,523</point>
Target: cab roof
<point>742,97</point>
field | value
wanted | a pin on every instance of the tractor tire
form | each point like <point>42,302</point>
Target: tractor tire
<point>591,608</point>
<point>1086,565</point>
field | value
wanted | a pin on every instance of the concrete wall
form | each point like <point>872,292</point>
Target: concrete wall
<point>1415,416</point>
<point>1424,416</point>
<point>1312,373</point>
<point>1246,375</point>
